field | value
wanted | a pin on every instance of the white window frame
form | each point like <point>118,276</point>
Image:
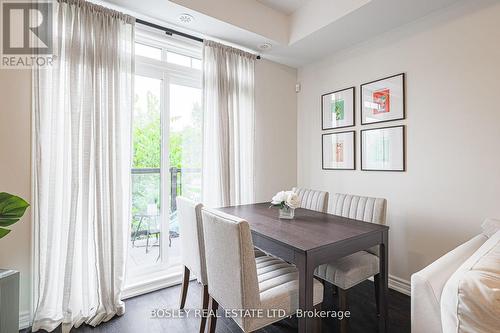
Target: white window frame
<point>144,279</point>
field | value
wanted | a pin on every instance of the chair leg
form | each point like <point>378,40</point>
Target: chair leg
<point>320,280</point>
<point>137,231</point>
<point>185,285</point>
<point>212,321</point>
<point>147,240</point>
<point>343,306</point>
<point>376,283</point>
<point>204,307</point>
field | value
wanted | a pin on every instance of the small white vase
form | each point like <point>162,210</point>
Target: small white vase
<point>287,213</point>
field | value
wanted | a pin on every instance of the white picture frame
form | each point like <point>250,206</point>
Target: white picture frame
<point>383,100</point>
<point>383,149</point>
<point>339,151</point>
<point>338,109</point>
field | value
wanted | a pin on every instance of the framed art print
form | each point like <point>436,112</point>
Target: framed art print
<point>383,100</point>
<point>383,149</point>
<point>337,109</point>
<point>338,150</point>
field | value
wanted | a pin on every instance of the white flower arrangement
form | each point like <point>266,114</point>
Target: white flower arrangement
<point>286,199</point>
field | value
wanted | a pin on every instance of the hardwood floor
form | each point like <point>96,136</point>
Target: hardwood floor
<point>361,304</point>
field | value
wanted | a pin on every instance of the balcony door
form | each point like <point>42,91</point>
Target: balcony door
<point>167,143</point>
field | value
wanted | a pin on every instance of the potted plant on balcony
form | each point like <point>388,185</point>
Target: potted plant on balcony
<point>12,208</point>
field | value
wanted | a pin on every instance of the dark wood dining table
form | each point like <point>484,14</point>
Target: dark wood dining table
<point>311,239</point>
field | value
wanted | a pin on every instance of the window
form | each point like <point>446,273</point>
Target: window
<point>176,58</point>
<point>196,63</point>
<point>147,51</point>
<point>182,60</point>
<point>167,141</point>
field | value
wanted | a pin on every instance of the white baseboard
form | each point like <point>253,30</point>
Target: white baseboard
<point>151,285</point>
<point>24,320</point>
<point>401,285</point>
<point>398,284</point>
<point>395,283</point>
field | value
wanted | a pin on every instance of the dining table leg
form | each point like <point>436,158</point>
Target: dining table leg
<point>383,277</point>
<point>306,280</point>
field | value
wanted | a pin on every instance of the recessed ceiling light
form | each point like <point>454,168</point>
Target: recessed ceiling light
<point>186,18</point>
<point>265,46</point>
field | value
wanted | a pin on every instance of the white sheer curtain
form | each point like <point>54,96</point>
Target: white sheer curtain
<point>82,148</point>
<point>228,140</point>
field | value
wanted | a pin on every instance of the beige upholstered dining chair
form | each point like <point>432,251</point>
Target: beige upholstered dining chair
<point>312,199</point>
<point>192,250</point>
<point>239,280</point>
<point>348,271</point>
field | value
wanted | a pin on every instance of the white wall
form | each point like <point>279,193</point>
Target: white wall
<point>15,172</point>
<point>451,59</point>
<point>275,129</point>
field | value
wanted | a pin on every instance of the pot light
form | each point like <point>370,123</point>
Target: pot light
<point>186,18</point>
<point>265,46</point>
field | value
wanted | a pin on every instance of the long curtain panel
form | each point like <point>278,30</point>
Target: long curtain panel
<point>228,140</point>
<point>82,149</point>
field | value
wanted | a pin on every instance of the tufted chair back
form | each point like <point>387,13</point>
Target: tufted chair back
<point>312,199</point>
<point>356,207</point>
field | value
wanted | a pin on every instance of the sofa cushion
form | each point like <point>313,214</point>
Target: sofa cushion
<point>427,286</point>
<point>490,227</point>
<point>470,302</point>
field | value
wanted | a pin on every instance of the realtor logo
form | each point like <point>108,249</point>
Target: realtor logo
<point>27,29</point>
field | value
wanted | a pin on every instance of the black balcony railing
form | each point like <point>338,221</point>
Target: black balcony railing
<point>175,180</point>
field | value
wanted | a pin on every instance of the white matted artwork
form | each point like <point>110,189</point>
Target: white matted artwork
<point>339,151</point>
<point>383,100</point>
<point>337,109</point>
<point>382,149</point>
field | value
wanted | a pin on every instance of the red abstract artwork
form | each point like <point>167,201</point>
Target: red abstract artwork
<point>381,98</point>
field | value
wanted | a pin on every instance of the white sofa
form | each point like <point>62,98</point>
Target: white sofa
<point>455,294</point>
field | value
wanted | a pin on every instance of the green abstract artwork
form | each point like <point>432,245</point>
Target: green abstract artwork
<point>338,109</point>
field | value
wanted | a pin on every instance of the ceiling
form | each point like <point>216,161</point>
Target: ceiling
<point>285,6</point>
<point>300,31</point>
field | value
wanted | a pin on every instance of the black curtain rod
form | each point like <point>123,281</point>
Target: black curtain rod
<point>168,31</point>
<point>171,32</point>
